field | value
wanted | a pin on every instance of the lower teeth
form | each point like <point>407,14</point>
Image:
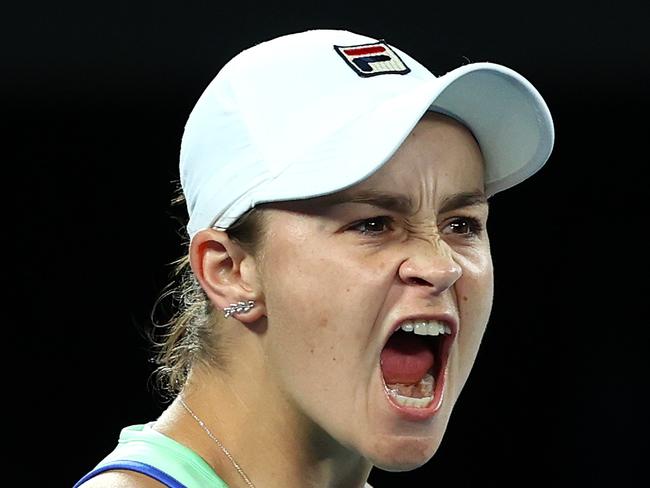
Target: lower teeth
<point>424,387</point>
<point>410,401</point>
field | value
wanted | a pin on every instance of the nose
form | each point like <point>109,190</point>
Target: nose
<point>431,265</point>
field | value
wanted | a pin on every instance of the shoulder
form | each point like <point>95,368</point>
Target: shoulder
<point>121,479</point>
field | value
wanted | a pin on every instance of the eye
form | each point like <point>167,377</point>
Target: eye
<point>373,226</point>
<point>464,226</point>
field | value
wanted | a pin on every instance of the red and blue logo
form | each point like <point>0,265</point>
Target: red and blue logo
<point>372,59</point>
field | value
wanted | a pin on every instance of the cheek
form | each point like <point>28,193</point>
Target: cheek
<point>322,308</point>
<point>475,292</point>
<point>309,275</point>
<point>322,303</point>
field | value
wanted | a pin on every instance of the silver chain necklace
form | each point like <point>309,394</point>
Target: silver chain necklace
<point>221,446</point>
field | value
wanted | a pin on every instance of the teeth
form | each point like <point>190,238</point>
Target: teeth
<point>435,329</point>
<point>420,328</point>
<point>424,389</point>
<point>407,327</point>
<point>425,327</point>
<point>411,402</point>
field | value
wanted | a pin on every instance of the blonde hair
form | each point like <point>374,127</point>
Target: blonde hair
<point>193,334</point>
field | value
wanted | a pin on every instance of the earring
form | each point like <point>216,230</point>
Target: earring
<point>239,307</point>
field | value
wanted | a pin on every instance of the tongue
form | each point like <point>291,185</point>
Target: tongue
<point>406,359</point>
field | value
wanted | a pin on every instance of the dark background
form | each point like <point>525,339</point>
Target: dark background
<point>94,97</point>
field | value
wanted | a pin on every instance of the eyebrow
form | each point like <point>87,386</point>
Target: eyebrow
<point>462,200</point>
<point>401,204</point>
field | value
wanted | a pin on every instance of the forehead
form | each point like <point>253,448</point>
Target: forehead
<point>402,203</point>
<point>439,149</point>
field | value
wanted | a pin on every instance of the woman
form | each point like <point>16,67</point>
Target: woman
<point>341,277</point>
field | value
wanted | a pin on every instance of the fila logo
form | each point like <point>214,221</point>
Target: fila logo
<point>372,59</point>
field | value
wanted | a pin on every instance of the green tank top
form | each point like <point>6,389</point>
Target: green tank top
<point>142,449</point>
<point>142,444</point>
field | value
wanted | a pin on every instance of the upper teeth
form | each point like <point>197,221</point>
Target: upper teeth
<point>425,327</point>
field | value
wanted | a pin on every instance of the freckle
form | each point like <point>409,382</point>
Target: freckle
<point>333,359</point>
<point>311,350</point>
<point>464,298</point>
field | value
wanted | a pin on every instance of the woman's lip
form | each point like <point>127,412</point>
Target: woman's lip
<point>423,413</point>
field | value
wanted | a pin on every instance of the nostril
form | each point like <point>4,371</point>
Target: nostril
<point>418,281</point>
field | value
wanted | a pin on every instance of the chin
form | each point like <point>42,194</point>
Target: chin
<point>403,453</point>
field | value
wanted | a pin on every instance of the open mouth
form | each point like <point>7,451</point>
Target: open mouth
<point>413,364</point>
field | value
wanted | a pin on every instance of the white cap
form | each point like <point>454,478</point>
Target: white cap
<point>316,112</point>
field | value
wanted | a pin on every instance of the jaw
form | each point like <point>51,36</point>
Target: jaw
<point>405,448</point>
<point>393,441</point>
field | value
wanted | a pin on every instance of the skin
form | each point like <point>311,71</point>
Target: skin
<point>303,402</point>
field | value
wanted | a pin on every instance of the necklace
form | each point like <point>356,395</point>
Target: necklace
<point>221,446</point>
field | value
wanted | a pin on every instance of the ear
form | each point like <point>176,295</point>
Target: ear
<point>226,272</point>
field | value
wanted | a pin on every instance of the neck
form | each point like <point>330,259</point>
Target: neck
<point>271,440</point>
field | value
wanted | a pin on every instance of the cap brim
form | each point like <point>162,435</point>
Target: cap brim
<point>506,114</point>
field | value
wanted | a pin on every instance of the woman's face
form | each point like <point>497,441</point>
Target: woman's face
<point>340,275</point>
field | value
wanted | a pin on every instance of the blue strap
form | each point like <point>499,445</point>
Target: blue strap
<point>139,467</point>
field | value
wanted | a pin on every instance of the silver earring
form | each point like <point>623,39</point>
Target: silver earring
<point>239,307</point>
